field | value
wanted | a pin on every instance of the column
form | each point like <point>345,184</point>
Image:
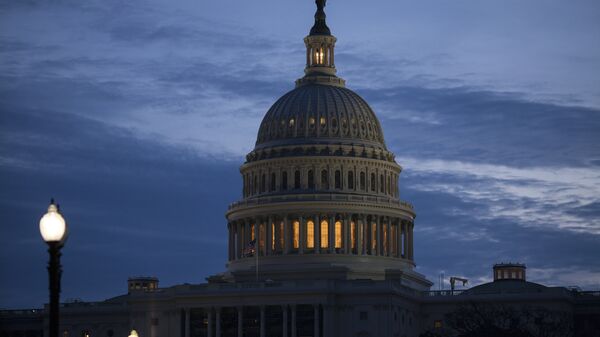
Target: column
<point>240,240</point>
<point>317,234</point>
<point>285,320</point>
<point>209,326</point>
<point>187,322</point>
<point>359,233</point>
<point>405,232</point>
<point>263,331</point>
<point>317,321</point>
<point>331,228</point>
<point>218,322</point>
<point>399,238</point>
<point>379,236</point>
<point>302,236</point>
<point>328,320</point>
<point>240,328</point>
<point>246,233</point>
<point>269,236</point>
<point>347,249</point>
<point>294,330</point>
<point>287,238</point>
<point>411,240</point>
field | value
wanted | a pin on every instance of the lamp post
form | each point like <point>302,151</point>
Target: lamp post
<point>54,231</point>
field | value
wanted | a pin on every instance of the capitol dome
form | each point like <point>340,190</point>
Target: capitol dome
<point>320,196</point>
<point>318,113</point>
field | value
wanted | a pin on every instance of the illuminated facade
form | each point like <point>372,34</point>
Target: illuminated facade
<point>319,245</point>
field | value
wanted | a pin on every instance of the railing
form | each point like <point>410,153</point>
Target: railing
<point>443,292</point>
<point>321,197</point>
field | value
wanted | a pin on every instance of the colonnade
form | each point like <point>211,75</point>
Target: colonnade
<point>291,324</point>
<point>351,234</point>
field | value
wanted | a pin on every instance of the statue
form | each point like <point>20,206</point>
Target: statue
<point>321,4</point>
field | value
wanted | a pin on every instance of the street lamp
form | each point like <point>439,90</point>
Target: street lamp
<point>54,231</point>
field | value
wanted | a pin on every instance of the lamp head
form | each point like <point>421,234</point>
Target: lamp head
<point>53,226</point>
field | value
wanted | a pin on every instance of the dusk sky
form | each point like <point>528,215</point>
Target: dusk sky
<point>136,115</point>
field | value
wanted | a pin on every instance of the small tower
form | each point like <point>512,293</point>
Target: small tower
<point>320,55</point>
<point>142,283</point>
<point>509,271</point>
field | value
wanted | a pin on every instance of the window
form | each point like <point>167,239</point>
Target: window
<point>311,179</point>
<point>381,186</point>
<point>272,236</point>
<point>310,234</point>
<point>351,180</point>
<point>297,179</point>
<point>284,183</point>
<point>296,230</point>
<point>373,181</point>
<point>363,315</point>
<point>324,234</point>
<point>362,181</point>
<point>273,182</point>
<point>437,324</point>
<point>255,186</point>
<point>262,183</point>
<point>291,123</point>
<point>252,232</point>
<point>311,122</point>
<point>338,234</point>
<point>281,238</point>
<point>338,179</point>
<point>323,121</point>
<point>324,180</point>
<point>373,238</point>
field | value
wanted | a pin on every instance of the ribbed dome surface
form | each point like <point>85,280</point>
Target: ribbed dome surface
<point>318,114</point>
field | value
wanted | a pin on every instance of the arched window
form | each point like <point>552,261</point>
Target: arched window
<point>381,185</point>
<point>338,179</point>
<point>373,182</point>
<point>297,179</point>
<point>255,185</point>
<point>362,181</point>
<point>310,234</point>
<point>338,234</point>
<point>324,180</point>
<point>262,183</point>
<point>350,180</point>
<point>311,179</point>
<point>273,182</point>
<point>284,183</point>
<point>324,234</point>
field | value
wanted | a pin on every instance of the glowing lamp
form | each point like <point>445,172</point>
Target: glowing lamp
<point>53,226</point>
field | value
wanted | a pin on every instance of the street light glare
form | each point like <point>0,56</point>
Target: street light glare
<point>52,225</point>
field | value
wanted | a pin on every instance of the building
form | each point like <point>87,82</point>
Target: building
<point>319,245</point>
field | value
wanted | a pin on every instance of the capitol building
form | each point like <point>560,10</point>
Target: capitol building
<point>319,244</point>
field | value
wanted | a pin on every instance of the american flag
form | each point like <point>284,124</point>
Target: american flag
<point>250,249</point>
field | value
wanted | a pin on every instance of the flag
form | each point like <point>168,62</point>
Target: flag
<point>250,249</point>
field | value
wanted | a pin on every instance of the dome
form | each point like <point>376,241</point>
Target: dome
<point>317,113</point>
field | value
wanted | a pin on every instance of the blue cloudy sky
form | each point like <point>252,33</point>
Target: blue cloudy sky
<point>136,115</point>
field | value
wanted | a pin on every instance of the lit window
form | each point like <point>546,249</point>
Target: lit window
<point>291,122</point>
<point>324,234</point>
<point>437,324</point>
<point>272,236</point>
<point>252,233</point>
<point>323,121</point>
<point>296,234</point>
<point>311,121</point>
<point>310,234</point>
<point>373,237</point>
<point>338,234</point>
